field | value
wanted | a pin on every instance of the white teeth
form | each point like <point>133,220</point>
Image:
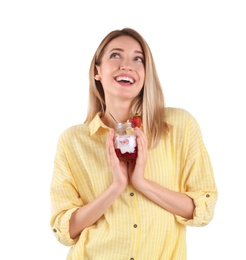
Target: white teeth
<point>125,79</point>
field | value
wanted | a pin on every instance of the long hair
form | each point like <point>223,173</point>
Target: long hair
<point>150,101</point>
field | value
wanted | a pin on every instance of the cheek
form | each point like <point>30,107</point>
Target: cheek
<point>106,70</point>
<point>142,75</point>
<point>140,70</point>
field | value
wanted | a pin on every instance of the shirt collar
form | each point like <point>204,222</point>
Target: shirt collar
<point>95,124</point>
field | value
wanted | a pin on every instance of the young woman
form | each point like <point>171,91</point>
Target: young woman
<point>107,208</point>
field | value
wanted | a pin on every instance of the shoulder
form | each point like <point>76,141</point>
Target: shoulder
<point>181,120</point>
<point>178,115</point>
<point>73,133</point>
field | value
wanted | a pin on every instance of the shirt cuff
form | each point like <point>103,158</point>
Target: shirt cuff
<point>204,208</point>
<point>61,229</point>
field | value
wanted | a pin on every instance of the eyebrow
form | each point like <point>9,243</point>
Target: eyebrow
<point>119,49</point>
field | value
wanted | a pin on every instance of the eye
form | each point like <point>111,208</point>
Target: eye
<point>140,59</point>
<point>115,55</point>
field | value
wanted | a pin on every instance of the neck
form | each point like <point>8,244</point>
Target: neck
<point>117,110</point>
<point>114,116</point>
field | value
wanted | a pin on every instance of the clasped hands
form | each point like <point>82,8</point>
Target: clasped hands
<point>125,172</point>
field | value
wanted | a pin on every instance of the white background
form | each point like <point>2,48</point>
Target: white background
<point>45,52</point>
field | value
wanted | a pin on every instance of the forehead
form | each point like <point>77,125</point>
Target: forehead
<point>126,43</point>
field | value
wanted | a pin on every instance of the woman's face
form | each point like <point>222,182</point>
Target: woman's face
<point>122,71</point>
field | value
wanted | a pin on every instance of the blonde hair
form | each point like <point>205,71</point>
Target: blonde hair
<point>150,101</point>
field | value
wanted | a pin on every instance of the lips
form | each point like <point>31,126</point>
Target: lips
<point>125,79</point>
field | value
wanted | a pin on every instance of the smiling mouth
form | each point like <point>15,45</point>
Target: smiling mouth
<point>125,80</point>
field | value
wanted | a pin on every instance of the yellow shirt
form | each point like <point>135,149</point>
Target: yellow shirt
<point>133,227</point>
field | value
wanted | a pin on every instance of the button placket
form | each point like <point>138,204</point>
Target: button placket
<point>132,194</point>
<point>133,201</point>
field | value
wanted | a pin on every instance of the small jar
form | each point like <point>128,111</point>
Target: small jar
<point>125,142</point>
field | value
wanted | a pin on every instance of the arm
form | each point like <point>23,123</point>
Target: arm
<point>88,214</point>
<point>70,214</point>
<point>172,201</point>
<point>194,204</point>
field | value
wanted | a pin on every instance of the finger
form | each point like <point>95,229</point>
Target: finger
<point>141,138</point>
<point>142,143</point>
<point>110,146</point>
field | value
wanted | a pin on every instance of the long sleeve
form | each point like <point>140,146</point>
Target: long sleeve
<point>200,186</point>
<point>198,178</point>
<point>64,197</point>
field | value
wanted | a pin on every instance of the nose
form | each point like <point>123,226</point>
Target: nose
<point>126,65</point>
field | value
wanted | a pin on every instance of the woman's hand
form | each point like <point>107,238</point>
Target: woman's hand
<point>118,168</point>
<point>137,168</point>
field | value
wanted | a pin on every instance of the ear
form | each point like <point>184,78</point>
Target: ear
<point>97,77</point>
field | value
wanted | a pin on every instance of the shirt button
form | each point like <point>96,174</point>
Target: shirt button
<point>207,195</point>
<point>135,225</point>
<point>131,258</point>
<point>54,230</point>
<point>132,194</point>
